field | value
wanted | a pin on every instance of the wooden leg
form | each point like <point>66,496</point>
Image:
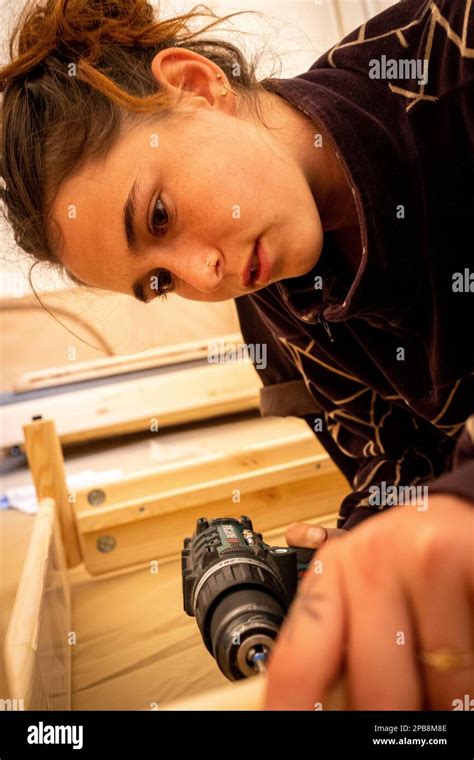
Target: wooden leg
<point>45,460</point>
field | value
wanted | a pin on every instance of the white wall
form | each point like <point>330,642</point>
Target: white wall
<point>295,32</point>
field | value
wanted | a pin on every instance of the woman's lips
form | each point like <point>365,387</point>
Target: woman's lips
<point>264,270</point>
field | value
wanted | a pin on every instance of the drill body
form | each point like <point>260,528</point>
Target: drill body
<point>239,589</point>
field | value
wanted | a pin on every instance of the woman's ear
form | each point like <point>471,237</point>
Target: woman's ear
<point>180,70</point>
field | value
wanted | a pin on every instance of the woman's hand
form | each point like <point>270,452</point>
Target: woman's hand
<point>377,605</point>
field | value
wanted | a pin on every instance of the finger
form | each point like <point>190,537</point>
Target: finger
<point>309,650</point>
<point>440,594</point>
<point>310,536</point>
<point>382,673</point>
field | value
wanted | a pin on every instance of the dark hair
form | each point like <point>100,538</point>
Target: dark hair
<point>54,122</point>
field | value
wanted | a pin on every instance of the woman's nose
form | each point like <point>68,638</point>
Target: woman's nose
<point>202,270</point>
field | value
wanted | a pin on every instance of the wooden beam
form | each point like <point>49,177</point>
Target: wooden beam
<point>75,372</point>
<point>135,405</point>
<point>160,538</point>
<point>46,463</point>
<point>199,494</point>
<point>288,452</point>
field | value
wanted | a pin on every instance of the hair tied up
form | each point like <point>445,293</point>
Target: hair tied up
<point>79,29</point>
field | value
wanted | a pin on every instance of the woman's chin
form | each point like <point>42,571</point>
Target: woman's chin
<point>304,267</point>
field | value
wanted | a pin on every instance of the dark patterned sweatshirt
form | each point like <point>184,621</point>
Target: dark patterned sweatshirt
<point>380,361</point>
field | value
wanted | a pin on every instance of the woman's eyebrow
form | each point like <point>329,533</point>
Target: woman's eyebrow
<point>129,221</point>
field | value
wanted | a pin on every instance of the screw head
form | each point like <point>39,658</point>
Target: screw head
<point>96,497</point>
<point>106,543</point>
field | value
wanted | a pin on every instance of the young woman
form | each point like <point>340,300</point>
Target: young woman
<point>336,207</point>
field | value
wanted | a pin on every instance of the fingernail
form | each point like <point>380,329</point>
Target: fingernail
<point>316,534</point>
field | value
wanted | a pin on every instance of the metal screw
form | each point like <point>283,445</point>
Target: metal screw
<point>106,543</point>
<point>96,497</point>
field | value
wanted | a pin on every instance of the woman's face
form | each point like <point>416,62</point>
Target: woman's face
<point>208,186</point>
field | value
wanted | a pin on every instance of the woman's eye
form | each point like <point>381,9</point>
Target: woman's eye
<point>161,282</point>
<point>160,217</point>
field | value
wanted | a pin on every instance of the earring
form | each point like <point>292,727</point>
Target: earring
<point>210,264</point>
<point>225,89</point>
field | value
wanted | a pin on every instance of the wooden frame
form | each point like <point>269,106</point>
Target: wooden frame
<point>142,517</point>
<point>139,518</point>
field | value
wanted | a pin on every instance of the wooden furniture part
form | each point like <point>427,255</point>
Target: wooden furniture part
<point>72,326</point>
<point>248,695</point>
<point>140,517</point>
<point>75,372</point>
<point>135,405</point>
<point>36,653</point>
<point>45,459</point>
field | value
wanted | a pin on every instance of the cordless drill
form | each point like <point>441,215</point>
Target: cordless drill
<point>239,589</point>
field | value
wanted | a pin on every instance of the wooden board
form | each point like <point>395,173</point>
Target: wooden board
<point>288,452</point>
<point>45,459</point>
<point>37,658</point>
<point>247,694</point>
<point>129,406</point>
<point>75,372</point>
<point>93,325</point>
<point>160,538</point>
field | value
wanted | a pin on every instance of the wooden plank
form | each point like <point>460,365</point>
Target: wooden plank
<point>101,323</point>
<point>45,460</point>
<point>40,622</point>
<point>288,451</point>
<point>135,405</point>
<point>200,494</point>
<point>75,372</point>
<point>161,537</point>
<point>248,694</point>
